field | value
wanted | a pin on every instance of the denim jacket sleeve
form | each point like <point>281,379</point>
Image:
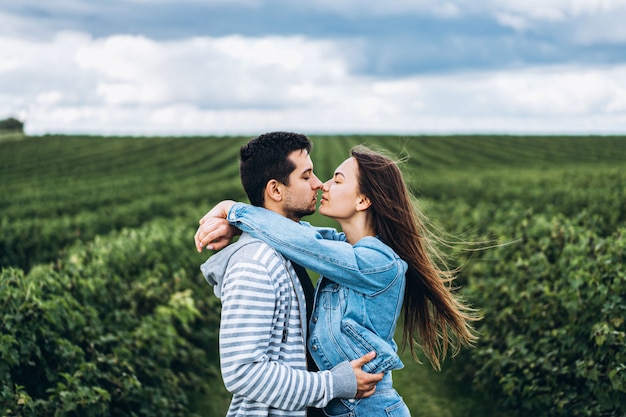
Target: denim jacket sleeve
<point>368,267</point>
<point>328,232</point>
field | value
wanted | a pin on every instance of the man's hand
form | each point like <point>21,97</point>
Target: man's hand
<point>365,382</point>
<point>214,231</point>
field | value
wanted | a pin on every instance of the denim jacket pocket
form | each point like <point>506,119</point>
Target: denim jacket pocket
<point>331,295</point>
<point>364,341</point>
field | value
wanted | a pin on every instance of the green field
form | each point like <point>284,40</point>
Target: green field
<point>105,312</point>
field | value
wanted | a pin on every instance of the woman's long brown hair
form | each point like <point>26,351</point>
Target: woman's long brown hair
<point>435,318</point>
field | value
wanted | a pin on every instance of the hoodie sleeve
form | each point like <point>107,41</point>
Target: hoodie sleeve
<point>246,336</point>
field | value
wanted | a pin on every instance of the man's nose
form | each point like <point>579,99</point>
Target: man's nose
<point>316,184</point>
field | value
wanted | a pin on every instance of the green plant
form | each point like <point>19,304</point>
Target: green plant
<point>554,338</point>
<point>117,327</point>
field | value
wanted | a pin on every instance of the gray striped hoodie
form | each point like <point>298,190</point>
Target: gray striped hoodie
<point>263,332</point>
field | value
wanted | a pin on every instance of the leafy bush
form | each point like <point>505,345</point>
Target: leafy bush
<point>554,338</point>
<point>117,328</point>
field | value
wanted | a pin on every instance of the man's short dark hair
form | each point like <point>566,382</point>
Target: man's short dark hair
<point>265,158</point>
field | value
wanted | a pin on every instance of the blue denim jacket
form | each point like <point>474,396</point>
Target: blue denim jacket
<point>359,296</point>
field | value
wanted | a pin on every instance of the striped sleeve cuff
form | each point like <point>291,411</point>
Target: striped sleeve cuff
<point>344,381</point>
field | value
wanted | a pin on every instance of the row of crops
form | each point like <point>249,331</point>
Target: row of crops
<point>105,313</point>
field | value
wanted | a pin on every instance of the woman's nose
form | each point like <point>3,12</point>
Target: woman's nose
<point>326,185</point>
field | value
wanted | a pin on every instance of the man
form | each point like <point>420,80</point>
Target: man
<point>267,300</point>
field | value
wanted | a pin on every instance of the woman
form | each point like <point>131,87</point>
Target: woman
<point>379,266</point>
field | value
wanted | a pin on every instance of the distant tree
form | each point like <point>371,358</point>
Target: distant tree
<point>11,124</point>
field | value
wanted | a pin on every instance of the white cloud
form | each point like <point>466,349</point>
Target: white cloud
<point>550,10</point>
<point>216,72</point>
<point>74,83</point>
<point>608,27</point>
<point>564,91</point>
<point>12,24</point>
<point>581,21</point>
<point>451,8</point>
<point>555,10</point>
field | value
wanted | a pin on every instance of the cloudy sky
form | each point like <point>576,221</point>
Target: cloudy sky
<point>185,67</point>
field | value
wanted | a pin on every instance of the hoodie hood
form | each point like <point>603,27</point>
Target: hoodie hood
<point>214,269</point>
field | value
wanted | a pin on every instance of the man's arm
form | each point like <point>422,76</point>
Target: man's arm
<point>248,302</point>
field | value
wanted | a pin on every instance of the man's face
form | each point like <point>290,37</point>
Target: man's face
<point>301,194</point>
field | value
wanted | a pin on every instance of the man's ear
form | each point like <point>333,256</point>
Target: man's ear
<point>274,190</point>
<point>363,203</point>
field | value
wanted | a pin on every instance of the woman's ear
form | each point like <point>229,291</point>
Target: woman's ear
<point>274,190</point>
<point>363,203</point>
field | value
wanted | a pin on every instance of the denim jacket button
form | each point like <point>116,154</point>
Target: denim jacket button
<point>314,347</point>
<point>315,319</point>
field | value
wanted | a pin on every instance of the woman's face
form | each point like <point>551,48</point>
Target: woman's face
<point>341,193</point>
